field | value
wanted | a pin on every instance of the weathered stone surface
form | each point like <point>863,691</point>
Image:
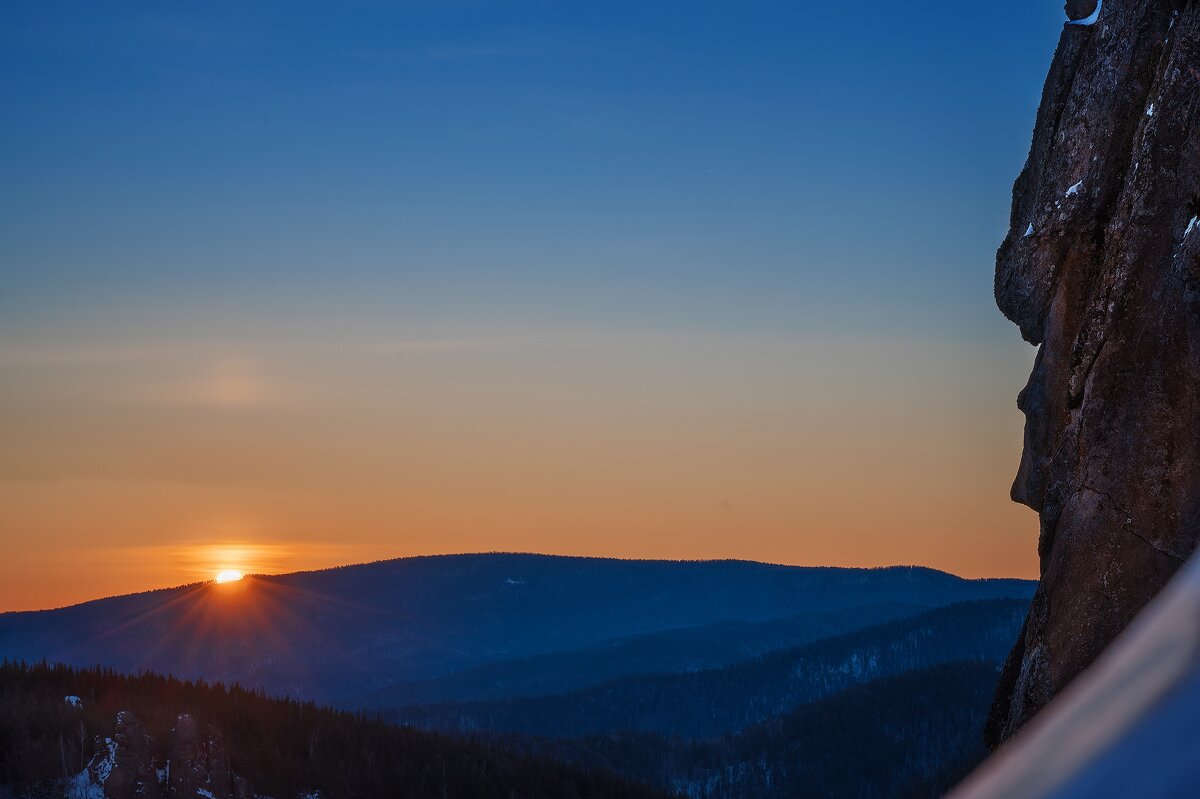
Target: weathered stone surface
<point>1078,9</point>
<point>122,766</point>
<point>220,776</point>
<point>1101,268</point>
<point>200,765</point>
<point>189,762</point>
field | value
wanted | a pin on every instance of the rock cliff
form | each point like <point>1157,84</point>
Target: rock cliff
<point>1101,269</point>
<point>197,766</point>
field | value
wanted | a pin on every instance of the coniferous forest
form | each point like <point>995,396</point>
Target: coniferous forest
<point>285,748</point>
<point>912,735</point>
<point>891,709</point>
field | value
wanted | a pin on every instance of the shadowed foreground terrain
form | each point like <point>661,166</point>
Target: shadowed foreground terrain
<point>283,749</point>
<point>907,737</point>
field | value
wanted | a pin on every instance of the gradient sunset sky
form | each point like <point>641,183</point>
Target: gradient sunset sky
<point>290,285</point>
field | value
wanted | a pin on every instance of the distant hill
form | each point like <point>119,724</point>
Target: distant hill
<point>341,633</point>
<point>707,703</point>
<point>249,746</point>
<point>687,649</point>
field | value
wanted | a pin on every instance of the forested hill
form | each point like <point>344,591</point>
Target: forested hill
<point>912,736</point>
<point>50,717</point>
<point>676,650</point>
<point>338,634</point>
<point>711,702</point>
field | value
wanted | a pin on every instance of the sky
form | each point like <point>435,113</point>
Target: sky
<point>290,285</point>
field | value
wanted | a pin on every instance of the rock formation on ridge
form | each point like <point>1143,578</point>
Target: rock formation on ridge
<point>123,766</point>
<point>1101,268</point>
<point>199,764</point>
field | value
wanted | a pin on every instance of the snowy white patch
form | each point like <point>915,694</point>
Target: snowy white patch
<point>81,787</point>
<point>89,783</point>
<point>1029,230</point>
<point>1193,223</point>
<point>1074,189</point>
<point>1150,110</point>
<point>105,766</point>
<point>74,702</point>
<point>1090,20</point>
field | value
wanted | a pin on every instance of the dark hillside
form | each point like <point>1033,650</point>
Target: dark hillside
<point>912,736</point>
<point>337,634</point>
<point>282,747</point>
<point>685,649</point>
<point>699,704</point>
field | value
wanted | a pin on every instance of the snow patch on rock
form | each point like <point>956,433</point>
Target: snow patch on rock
<point>89,783</point>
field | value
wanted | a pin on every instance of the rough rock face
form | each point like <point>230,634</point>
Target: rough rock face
<point>1078,9</point>
<point>1101,268</point>
<point>122,766</point>
<point>199,764</point>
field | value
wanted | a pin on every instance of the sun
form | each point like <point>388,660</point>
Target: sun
<point>229,576</point>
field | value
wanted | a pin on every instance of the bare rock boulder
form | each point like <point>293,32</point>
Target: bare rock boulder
<point>199,764</point>
<point>1079,9</point>
<point>122,766</point>
<point>1101,270</point>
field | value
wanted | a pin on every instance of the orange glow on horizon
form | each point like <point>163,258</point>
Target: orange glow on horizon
<point>229,576</point>
<point>783,451</point>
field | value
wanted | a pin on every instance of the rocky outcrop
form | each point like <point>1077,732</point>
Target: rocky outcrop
<point>1080,9</point>
<point>1101,268</point>
<point>199,764</point>
<point>123,766</point>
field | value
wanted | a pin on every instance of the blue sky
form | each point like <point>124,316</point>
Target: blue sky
<point>655,279</point>
<point>749,165</point>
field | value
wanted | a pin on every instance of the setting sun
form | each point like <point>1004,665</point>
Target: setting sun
<point>229,576</point>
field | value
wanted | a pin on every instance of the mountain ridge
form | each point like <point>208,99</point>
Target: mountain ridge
<point>520,553</point>
<point>717,701</point>
<point>678,650</point>
<point>335,634</point>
